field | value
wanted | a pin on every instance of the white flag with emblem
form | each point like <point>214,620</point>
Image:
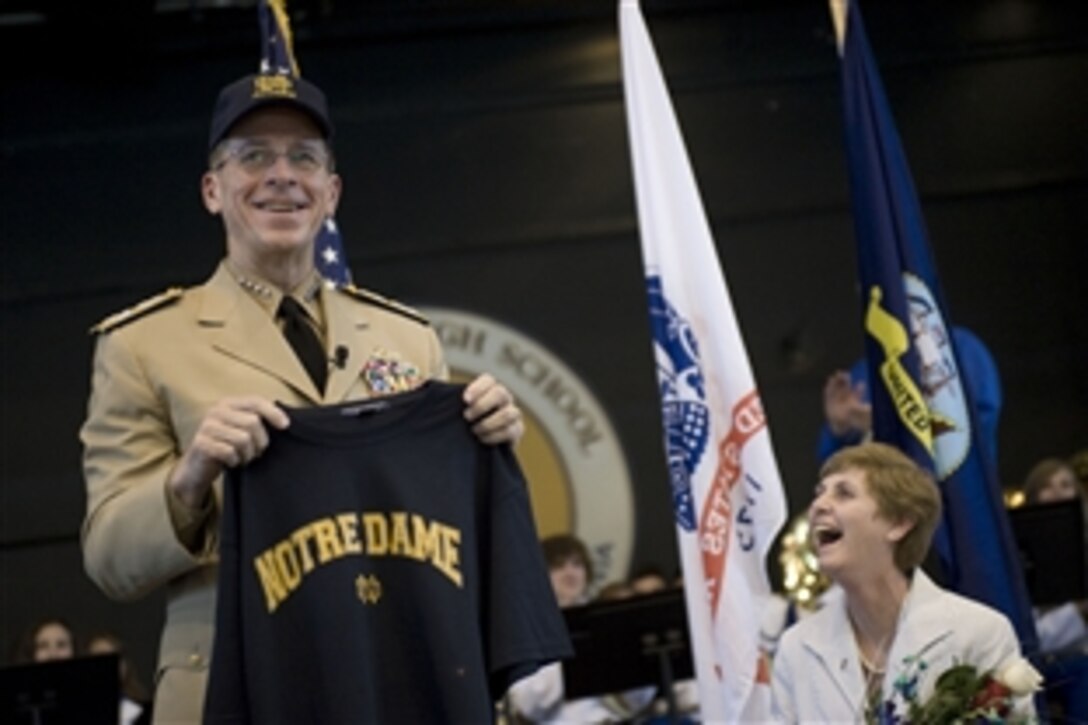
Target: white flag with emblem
<point>727,496</point>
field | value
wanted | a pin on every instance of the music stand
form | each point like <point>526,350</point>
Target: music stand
<point>1050,538</point>
<point>83,691</point>
<point>628,643</point>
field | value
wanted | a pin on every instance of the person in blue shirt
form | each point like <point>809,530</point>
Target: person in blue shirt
<point>848,412</point>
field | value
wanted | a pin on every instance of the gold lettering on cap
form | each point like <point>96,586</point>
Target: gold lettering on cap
<point>277,86</point>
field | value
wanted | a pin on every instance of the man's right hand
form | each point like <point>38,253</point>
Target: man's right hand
<point>232,433</point>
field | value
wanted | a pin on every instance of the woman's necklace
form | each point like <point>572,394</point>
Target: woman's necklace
<point>873,674</point>
<point>874,671</point>
<point>871,667</point>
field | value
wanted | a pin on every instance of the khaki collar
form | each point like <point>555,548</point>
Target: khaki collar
<point>269,296</point>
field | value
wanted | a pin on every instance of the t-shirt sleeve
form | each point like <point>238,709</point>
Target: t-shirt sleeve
<point>523,625</point>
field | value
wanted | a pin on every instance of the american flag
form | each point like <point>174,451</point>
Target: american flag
<point>329,254</point>
<point>278,57</point>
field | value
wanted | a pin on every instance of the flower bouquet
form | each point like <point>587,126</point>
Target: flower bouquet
<point>962,694</point>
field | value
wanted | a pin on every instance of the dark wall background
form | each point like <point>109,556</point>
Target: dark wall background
<point>484,151</point>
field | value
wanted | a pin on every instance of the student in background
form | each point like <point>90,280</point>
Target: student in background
<point>135,701</point>
<point>1062,629</point>
<point>50,638</point>
<point>570,568</point>
<point>540,698</point>
<point>648,579</point>
<point>848,413</point>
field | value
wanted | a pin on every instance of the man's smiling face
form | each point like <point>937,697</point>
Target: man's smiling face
<point>272,183</point>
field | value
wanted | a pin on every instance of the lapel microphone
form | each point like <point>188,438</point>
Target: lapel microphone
<point>340,356</point>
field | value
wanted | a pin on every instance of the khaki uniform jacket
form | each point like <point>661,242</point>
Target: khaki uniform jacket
<point>155,377</point>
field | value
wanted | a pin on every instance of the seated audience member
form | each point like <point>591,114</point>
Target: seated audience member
<point>51,638</point>
<point>614,590</point>
<point>135,701</point>
<point>1062,629</point>
<point>891,633</point>
<point>539,698</point>
<point>647,580</point>
<point>848,414</point>
<point>1051,479</point>
<point>570,568</point>
<point>1079,463</point>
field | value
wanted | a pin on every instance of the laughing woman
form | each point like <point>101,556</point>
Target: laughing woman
<point>889,632</point>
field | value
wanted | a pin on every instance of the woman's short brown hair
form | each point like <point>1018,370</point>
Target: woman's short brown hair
<point>903,491</point>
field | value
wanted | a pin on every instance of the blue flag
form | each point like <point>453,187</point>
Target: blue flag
<point>920,401</point>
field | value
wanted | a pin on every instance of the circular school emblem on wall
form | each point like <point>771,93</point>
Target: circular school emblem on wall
<point>572,458</point>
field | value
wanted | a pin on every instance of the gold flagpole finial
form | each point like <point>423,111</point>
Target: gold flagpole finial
<point>838,18</point>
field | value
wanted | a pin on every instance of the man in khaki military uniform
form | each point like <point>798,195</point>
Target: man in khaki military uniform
<point>184,384</point>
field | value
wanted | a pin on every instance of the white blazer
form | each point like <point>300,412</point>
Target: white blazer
<point>817,674</point>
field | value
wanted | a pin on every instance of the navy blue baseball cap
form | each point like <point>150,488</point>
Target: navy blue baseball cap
<point>267,89</point>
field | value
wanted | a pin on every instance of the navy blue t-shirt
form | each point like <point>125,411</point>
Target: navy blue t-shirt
<point>378,564</point>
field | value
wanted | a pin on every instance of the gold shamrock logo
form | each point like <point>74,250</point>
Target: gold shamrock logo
<point>368,589</point>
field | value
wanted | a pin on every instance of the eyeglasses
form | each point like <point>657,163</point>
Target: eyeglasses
<point>255,158</point>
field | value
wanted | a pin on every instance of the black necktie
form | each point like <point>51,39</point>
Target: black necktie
<point>303,339</point>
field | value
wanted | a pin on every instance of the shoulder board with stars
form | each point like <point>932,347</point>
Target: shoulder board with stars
<point>119,319</point>
<point>384,302</point>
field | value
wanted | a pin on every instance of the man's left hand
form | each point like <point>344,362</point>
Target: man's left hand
<point>490,408</point>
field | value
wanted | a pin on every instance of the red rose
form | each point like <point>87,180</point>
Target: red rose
<point>992,695</point>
